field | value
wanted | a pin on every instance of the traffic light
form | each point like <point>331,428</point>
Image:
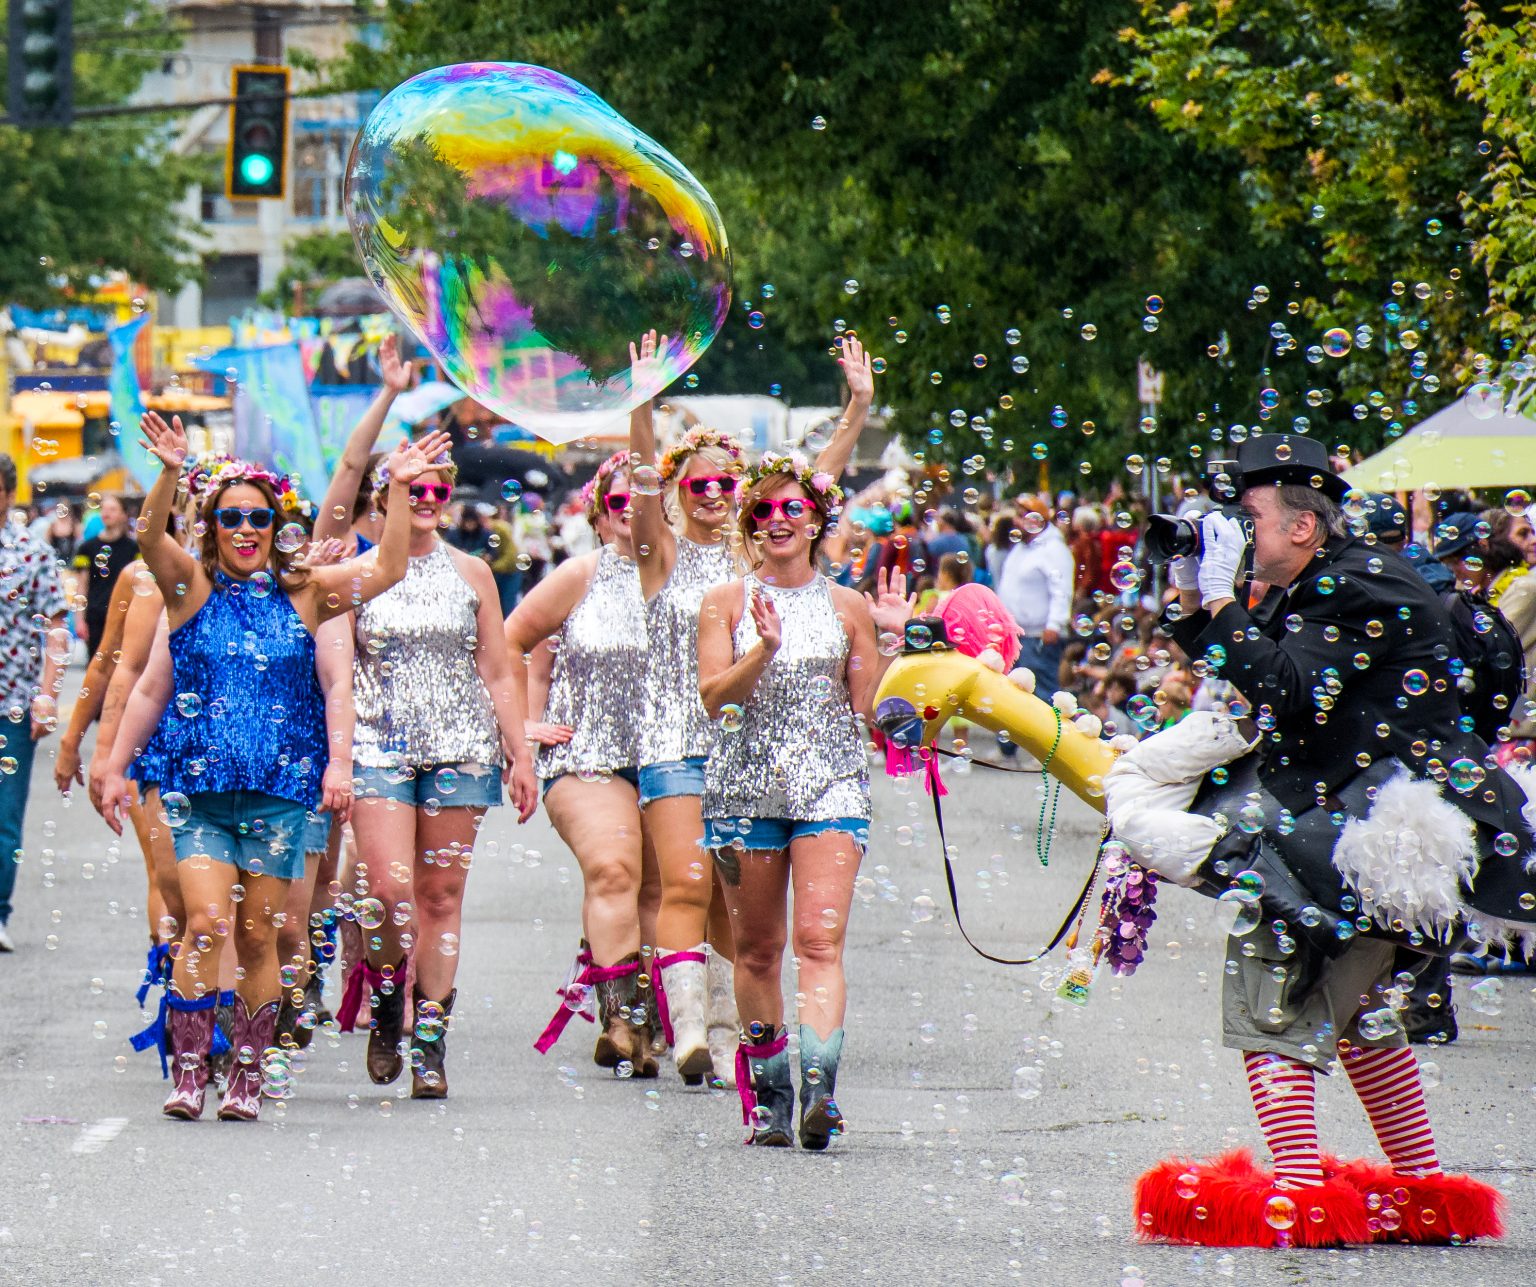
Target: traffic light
<point>256,163</point>
<point>40,55</point>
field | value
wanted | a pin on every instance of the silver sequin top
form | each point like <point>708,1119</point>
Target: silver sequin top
<point>799,753</point>
<point>597,687</point>
<point>676,723</point>
<point>418,695</point>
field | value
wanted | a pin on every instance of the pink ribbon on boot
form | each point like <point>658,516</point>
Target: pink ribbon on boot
<point>744,1055</point>
<point>590,974</point>
<point>658,986</point>
<point>358,980</point>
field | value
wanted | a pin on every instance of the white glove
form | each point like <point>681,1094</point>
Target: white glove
<point>1224,541</point>
<point>1184,572</point>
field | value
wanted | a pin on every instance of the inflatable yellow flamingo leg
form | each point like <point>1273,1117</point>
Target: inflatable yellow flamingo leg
<point>942,684</point>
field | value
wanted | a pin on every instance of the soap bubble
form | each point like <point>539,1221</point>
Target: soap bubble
<point>527,233</point>
<point>1337,342</point>
<point>645,480</point>
<point>1484,400</point>
<point>175,807</point>
<point>1280,1212</point>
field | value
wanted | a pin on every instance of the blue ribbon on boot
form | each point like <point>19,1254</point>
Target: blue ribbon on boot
<point>157,970</point>
<point>220,1037</point>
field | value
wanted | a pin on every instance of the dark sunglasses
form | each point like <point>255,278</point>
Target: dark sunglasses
<point>794,508</point>
<point>700,486</point>
<point>230,518</point>
<point>616,502</point>
<point>435,492</point>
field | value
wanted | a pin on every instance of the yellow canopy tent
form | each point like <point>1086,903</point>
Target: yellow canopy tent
<point>1460,446</point>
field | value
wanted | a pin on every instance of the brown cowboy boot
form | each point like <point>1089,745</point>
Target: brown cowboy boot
<point>387,1027</point>
<point>429,1046</point>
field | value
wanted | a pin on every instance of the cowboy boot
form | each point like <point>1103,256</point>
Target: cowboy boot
<point>387,1027</point>
<point>429,1046</point>
<point>189,1031</point>
<point>768,1093</point>
<point>618,1001</point>
<point>724,1021</point>
<point>659,1041</point>
<point>314,999</point>
<point>820,1117</point>
<point>680,1003</point>
<point>254,1035</point>
<point>223,1039</point>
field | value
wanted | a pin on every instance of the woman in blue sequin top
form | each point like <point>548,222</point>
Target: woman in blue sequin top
<point>242,738</point>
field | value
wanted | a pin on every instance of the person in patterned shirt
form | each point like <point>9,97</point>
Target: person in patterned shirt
<point>32,659</point>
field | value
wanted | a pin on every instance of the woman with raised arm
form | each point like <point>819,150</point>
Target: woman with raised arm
<point>787,662</point>
<point>439,731</point>
<point>684,534</point>
<point>243,742</point>
<point>586,708</point>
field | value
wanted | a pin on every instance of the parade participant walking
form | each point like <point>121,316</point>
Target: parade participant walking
<point>1035,585</point>
<point>683,538</point>
<point>243,740</point>
<point>439,731</point>
<point>586,703</point>
<point>34,648</point>
<point>787,660</point>
<point>1349,675</point>
<point>101,560</point>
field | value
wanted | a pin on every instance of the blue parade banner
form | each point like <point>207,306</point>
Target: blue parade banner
<point>274,420</point>
<point>128,403</point>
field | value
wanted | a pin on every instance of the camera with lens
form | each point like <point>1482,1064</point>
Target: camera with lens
<point>1170,536</point>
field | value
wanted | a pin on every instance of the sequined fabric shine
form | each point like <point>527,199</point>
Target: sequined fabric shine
<point>419,697</point>
<point>597,686</point>
<point>799,753</point>
<point>248,714</point>
<point>676,724</point>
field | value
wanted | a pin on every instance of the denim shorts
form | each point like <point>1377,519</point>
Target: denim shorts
<point>777,833</point>
<point>255,832</point>
<point>672,777</point>
<point>317,833</point>
<point>630,775</point>
<point>444,786</point>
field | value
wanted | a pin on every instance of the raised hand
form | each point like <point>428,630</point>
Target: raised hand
<point>646,368</point>
<point>397,375</point>
<point>410,460</point>
<point>765,617</point>
<point>857,371</point>
<point>166,442</point>
<point>890,606</point>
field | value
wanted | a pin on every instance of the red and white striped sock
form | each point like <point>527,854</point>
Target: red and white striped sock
<point>1387,1082</point>
<point>1285,1097</point>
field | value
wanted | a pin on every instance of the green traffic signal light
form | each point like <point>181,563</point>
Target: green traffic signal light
<point>256,169</point>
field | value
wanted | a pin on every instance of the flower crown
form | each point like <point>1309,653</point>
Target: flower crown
<point>213,475</point>
<point>694,440</point>
<point>619,460</point>
<point>801,470</point>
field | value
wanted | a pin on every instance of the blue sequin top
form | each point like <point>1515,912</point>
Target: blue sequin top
<point>247,712</point>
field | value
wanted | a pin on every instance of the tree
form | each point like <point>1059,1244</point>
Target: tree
<point>1357,151</point>
<point>951,180</point>
<point>314,262</point>
<point>98,196</point>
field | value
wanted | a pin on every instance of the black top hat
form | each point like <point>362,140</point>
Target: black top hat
<point>1288,458</point>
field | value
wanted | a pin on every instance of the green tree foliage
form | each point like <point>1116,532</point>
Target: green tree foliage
<point>1358,151</point>
<point>101,195</point>
<point>1500,210</point>
<point>314,262</point>
<point>980,189</point>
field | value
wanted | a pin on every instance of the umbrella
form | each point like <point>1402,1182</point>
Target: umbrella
<point>487,465</point>
<point>350,297</point>
<point>421,403</point>
<point>1474,442</point>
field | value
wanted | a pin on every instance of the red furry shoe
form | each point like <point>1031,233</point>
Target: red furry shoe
<point>1228,1201</point>
<point>1433,1210</point>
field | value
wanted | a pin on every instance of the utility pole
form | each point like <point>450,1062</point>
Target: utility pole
<point>1149,392</point>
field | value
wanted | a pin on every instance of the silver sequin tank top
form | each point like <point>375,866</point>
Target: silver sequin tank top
<point>597,686</point>
<point>419,697</point>
<point>676,723</point>
<point>799,753</point>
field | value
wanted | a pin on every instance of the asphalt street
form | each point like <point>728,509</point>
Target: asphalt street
<point>995,1133</point>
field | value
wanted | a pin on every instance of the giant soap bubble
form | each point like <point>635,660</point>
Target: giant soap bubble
<point>527,232</point>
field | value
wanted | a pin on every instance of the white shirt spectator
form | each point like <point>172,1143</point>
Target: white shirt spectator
<point>1036,583</point>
